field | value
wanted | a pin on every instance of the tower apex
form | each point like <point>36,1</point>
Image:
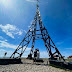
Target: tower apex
<point>37,0</point>
<point>37,3</point>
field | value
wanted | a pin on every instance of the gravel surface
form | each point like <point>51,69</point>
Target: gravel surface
<point>28,66</point>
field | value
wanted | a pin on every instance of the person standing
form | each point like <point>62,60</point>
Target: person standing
<point>38,54</point>
<point>35,55</point>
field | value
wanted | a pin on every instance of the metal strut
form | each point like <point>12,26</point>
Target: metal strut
<point>31,34</point>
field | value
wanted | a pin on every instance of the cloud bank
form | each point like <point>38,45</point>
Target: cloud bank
<point>11,30</point>
<point>5,44</point>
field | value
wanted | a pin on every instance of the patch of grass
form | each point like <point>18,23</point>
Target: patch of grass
<point>60,67</point>
<point>56,66</point>
<point>68,60</point>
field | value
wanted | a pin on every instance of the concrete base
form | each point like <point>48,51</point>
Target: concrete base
<point>61,64</point>
<point>9,61</point>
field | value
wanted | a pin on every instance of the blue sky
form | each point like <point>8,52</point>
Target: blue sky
<point>17,15</point>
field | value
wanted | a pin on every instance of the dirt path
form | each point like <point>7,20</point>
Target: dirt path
<point>28,66</point>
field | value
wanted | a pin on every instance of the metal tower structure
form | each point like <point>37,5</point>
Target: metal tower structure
<point>32,35</point>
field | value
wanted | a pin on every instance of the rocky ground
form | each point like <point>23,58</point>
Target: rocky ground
<point>28,66</point>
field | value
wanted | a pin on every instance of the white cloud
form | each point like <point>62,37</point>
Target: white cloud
<point>28,49</point>
<point>30,24</point>
<point>4,44</point>
<point>59,43</point>
<point>31,0</point>
<point>66,53</point>
<point>10,30</point>
<point>9,53</point>
<point>25,31</point>
<point>1,37</point>
<point>7,45</point>
<point>2,52</point>
<point>69,48</point>
<point>44,54</point>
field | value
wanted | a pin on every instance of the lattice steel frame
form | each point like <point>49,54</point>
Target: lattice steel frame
<point>31,34</point>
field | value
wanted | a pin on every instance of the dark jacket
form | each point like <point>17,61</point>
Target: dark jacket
<point>35,54</point>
